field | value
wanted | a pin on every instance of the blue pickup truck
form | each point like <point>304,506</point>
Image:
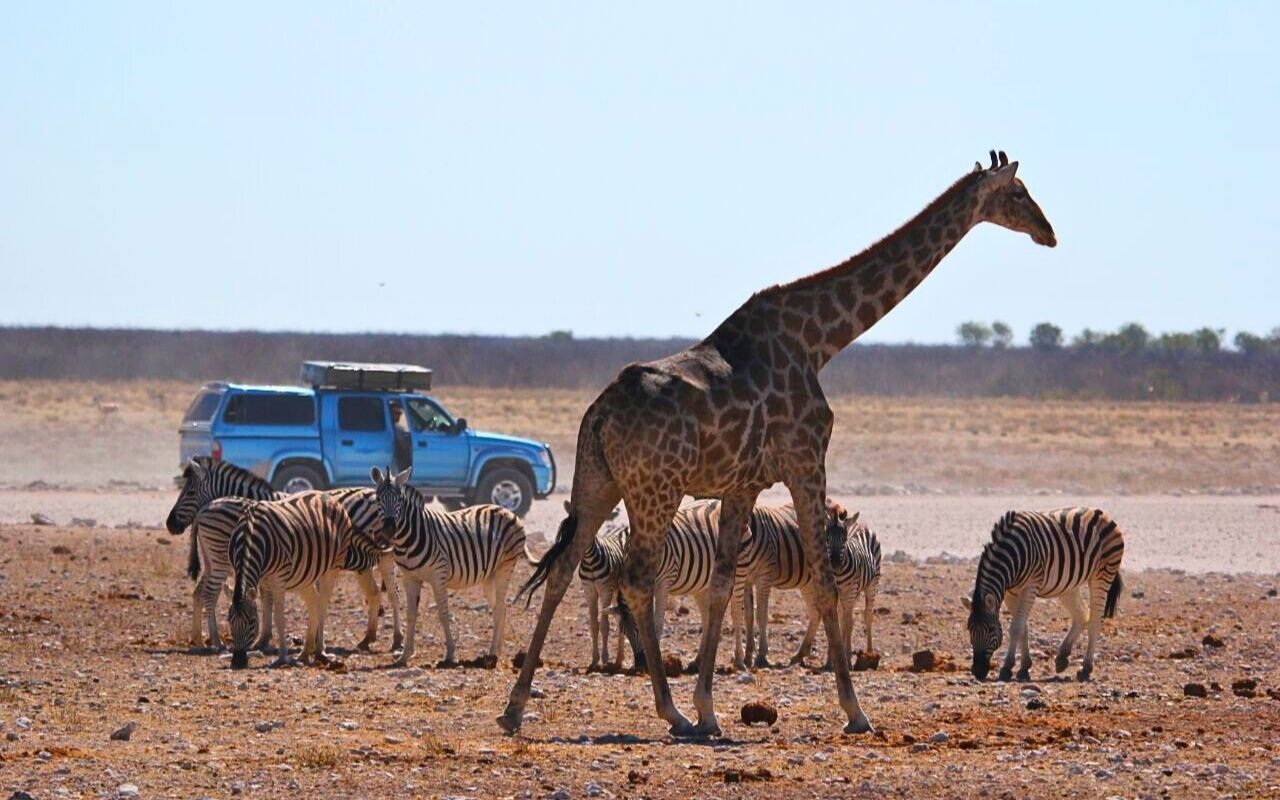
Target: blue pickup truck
<point>356,416</point>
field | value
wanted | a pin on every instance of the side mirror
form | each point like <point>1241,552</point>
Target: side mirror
<point>460,425</point>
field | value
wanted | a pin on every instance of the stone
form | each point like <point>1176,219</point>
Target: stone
<point>1195,690</point>
<point>864,661</point>
<point>672,665</point>
<point>124,732</point>
<point>939,738</point>
<point>1245,687</point>
<point>1210,640</point>
<point>42,519</point>
<point>1036,704</point>
<point>125,790</point>
<point>759,711</point>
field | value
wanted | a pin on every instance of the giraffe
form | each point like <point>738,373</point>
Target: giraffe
<point>738,412</point>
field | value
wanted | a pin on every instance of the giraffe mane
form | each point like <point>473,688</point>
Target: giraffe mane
<point>864,256</point>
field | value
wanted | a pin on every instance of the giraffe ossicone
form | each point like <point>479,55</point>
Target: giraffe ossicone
<point>738,412</point>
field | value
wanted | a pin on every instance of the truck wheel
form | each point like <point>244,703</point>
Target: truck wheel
<point>297,478</point>
<point>506,487</point>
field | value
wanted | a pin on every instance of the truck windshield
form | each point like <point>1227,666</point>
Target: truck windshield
<point>203,407</point>
<point>425,415</point>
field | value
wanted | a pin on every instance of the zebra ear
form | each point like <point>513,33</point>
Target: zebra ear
<point>197,469</point>
<point>403,478</point>
<point>855,516</point>
<point>966,602</point>
<point>376,475</point>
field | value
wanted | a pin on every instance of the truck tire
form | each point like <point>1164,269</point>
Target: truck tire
<point>297,478</point>
<point>506,487</point>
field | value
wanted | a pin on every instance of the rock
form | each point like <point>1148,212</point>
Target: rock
<point>391,738</point>
<point>864,661</point>
<point>347,725</point>
<point>1210,640</point>
<point>635,777</point>
<point>83,522</point>
<point>939,738</point>
<point>1137,594</point>
<point>1186,652</point>
<point>759,711</point>
<point>594,790</point>
<point>124,732</point>
<point>265,727</point>
<point>126,790</point>
<point>919,747</point>
<point>1274,694</point>
<point>42,519</point>
<point>1195,690</point>
<point>672,665</point>
<point>745,677</point>
<point>20,795</point>
<point>1036,704</point>
<point>60,550</point>
<point>537,694</point>
<point>11,737</point>
<point>922,660</point>
<point>1245,687</point>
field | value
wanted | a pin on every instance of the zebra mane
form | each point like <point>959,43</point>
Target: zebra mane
<point>414,496</point>
<point>226,469</point>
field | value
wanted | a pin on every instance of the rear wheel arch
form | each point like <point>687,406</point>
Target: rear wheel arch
<point>296,474</point>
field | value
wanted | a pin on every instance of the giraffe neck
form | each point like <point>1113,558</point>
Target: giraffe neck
<point>821,314</point>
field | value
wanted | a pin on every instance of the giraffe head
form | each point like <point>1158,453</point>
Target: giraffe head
<point>1005,201</point>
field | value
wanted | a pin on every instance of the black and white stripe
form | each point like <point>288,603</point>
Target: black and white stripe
<point>855,560</point>
<point>1044,554</point>
<point>479,545</point>
<point>601,574</point>
<point>212,498</point>
<point>297,544</point>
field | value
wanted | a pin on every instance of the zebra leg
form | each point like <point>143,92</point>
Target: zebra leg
<point>412,592</point>
<point>734,513</point>
<point>212,588</point>
<point>749,622</point>
<point>368,584</point>
<point>1097,604</point>
<point>592,596</point>
<point>1074,604</point>
<point>282,645</point>
<point>736,621</point>
<point>197,605</point>
<point>324,587</point>
<point>387,567</point>
<point>869,611</point>
<point>762,625</point>
<point>441,593</point>
<point>499,615</point>
<point>263,644</point>
<point>312,599</point>
<point>1020,605</point>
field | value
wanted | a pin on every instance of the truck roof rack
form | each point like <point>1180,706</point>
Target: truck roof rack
<point>355,375</point>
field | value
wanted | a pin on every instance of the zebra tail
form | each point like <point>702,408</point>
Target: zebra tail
<point>193,555</point>
<point>542,568</point>
<point>627,622</point>
<point>1113,596</point>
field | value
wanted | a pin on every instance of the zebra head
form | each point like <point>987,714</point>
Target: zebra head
<point>197,492</point>
<point>984,629</point>
<point>243,614</point>
<point>390,492</point>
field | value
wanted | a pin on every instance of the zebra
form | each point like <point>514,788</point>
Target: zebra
<point>772,557</point>
<point>601,571</point>
<point>688,561</point>
<point>1044,554</point>
<point>449,550</point>
<point>855,560</point>
<point>211,501</point>
<point>296,544</point>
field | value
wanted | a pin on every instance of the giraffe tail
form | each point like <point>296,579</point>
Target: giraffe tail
<point>542,568</point>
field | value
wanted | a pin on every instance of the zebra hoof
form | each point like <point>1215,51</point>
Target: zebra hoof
<point>1024,676</point>
<point>1005,675</point>
<point>1060,663</point>
<point>397,643</point>
<point>1083,674</point>
<point>364,645</point>
<point>859,725</point>
<point>446,663</point>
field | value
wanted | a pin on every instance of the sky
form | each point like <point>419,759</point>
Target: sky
<point>626,170</point>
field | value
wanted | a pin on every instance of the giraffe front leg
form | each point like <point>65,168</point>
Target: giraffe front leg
<point>810,503</point>
<point>583,524</point>
<point>734,513</point>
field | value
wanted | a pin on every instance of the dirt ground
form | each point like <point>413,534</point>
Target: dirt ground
<point>94,619</point>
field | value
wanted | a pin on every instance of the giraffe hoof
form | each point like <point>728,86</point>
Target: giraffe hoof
<point>683,728</point>
<point>1024,676</point>
<point>1060,663</point>
<point>397,643</point>
<point>1083,674</point>
<point>709,728</point>
<point>510,721</point>
<point>859,725</point>
<point>364,645</point>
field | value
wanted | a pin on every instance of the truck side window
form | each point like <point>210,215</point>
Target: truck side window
<point>361,414</point>
<point>265,409</point>
<point>425,416</point>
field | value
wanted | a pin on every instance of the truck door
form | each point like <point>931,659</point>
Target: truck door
<point>361,435</point>
<point>441,455</point>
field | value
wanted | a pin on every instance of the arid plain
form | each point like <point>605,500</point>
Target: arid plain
<point>93,620</point>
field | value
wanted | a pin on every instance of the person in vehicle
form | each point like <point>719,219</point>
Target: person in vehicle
<point>403,444</point>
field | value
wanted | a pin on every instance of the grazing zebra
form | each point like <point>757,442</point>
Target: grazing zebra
<point>600,571</point>
<point>1044,554</point>
<point>296,544</point>
<point>449,550</point>
<point>211,501</point>
<point>855,560</point>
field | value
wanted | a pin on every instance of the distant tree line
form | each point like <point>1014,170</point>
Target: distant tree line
<point>1127,364</point>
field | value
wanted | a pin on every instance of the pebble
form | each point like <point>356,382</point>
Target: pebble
<point>594,790</point>
<point>745,677</point>
<point>22,722</point>
<point>124,732</point>
<point>939,738</point>
<point>348,725</point>
<point>391,738</point>
<point>264,727</point>
<point>919,747</point>
<point>126,790</point>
